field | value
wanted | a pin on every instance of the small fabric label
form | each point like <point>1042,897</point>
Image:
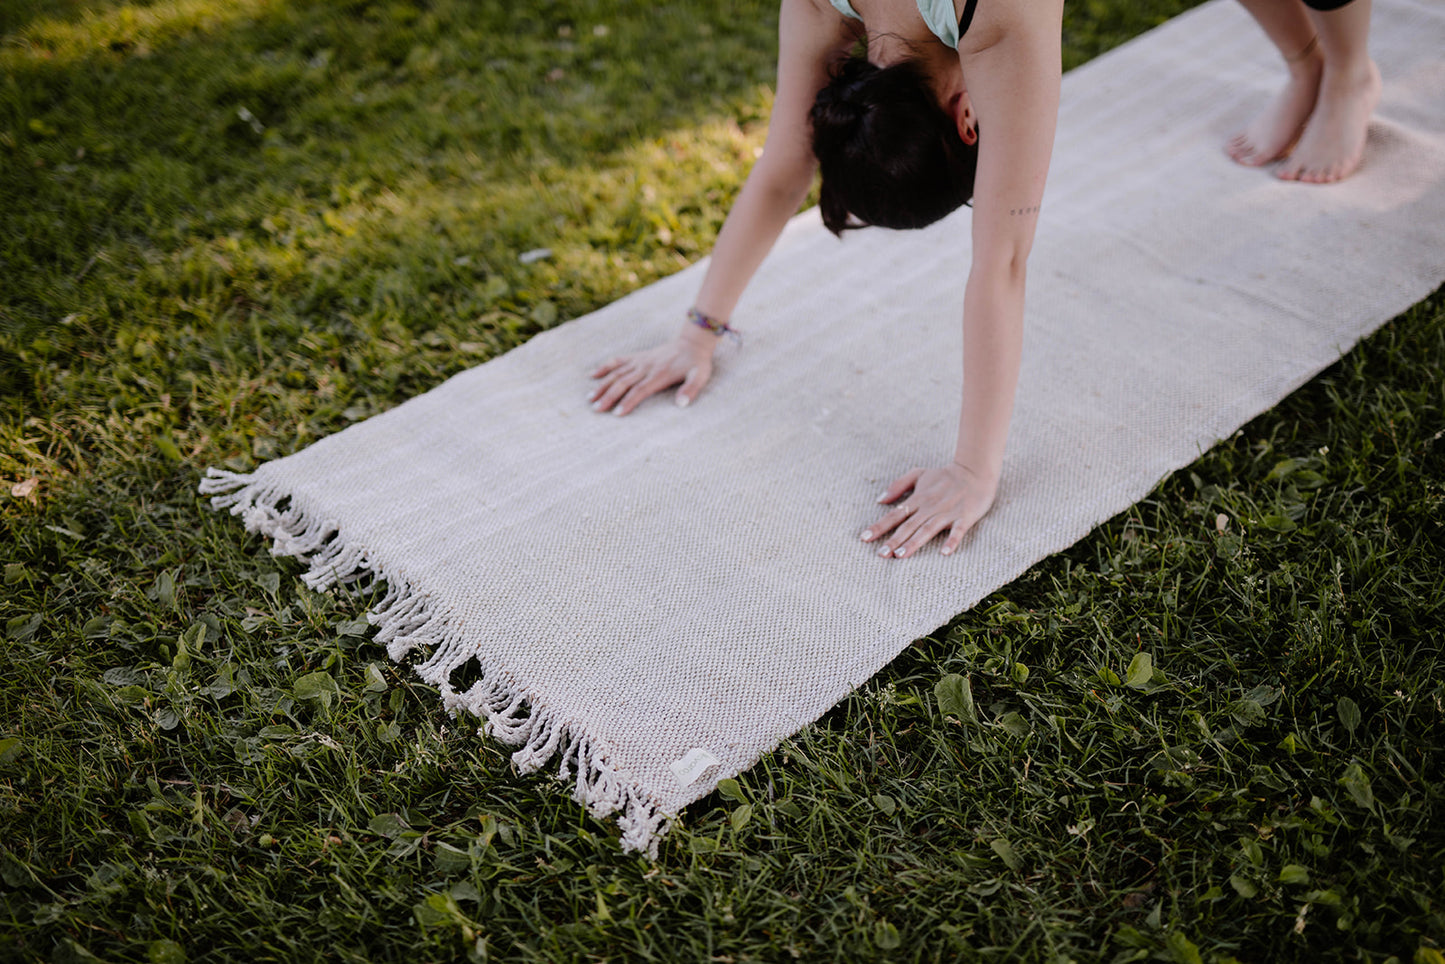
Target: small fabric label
<point>690,766</point>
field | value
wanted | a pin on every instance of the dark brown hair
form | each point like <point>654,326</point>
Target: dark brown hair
<point>889,154</point>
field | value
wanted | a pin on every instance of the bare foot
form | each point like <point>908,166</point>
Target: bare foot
<point>1271,134</point>
<point>1333,142</point>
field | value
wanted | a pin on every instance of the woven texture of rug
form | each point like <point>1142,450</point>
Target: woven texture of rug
<point>655,601</point>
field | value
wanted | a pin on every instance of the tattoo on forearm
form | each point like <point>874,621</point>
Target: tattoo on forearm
<point>1034,209</point>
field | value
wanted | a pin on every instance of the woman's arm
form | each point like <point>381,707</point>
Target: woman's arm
<point>1011,65</point>
<point>811,34</point>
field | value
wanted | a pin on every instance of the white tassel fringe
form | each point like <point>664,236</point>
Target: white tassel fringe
<point>406,620</point>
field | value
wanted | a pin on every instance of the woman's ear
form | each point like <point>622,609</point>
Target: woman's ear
<point>963,116</point>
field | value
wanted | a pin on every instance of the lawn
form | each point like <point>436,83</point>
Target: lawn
<point>1211,731</point>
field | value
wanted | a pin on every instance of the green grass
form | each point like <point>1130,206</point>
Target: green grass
<point>227,230</point>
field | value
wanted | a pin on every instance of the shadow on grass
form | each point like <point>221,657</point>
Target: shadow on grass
<point>328,140</point>
<point>17,15</point>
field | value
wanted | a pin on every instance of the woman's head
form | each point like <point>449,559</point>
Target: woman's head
<point>889,154</point>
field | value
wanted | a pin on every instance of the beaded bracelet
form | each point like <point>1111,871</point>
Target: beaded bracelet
<point>713,325</point>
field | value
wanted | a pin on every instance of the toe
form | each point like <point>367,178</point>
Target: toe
<point>1243,152</point>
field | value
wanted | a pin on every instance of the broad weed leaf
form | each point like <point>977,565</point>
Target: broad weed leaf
<point>955,698</point>
<point>729,789</point>
<point>1014,722</point>
<point>1357,784</point>
<point>317,686</point>
<point>165,952</point>
<point>1140,672</point>
<point>1349,712</point>
<point>1006,853</point>
<point>1294,874</point>
<point>388,825</point>
<point>1182,950</point>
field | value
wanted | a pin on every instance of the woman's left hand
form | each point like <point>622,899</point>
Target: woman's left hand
<point>951,498</point>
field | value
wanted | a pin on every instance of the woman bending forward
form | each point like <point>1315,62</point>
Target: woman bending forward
<point>954,100</point>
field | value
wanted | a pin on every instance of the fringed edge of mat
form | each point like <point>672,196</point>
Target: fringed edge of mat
<point>407,620</point>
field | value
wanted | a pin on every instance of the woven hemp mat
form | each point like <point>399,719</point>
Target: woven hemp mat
<point>656,601</point>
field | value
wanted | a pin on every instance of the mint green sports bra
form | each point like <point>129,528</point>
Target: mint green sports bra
<point>938,14</point>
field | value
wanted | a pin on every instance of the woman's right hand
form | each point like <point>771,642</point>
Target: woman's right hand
<point>627,380</point>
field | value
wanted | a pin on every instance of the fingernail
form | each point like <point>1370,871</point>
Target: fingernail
<point>618,411</point>
<point>900,552</point>
<point>683,401</point>
<point>948,550</point>
<point>597,406</point>
<point>867,535</point>
<point>883,498</point>
<point>885,552</point>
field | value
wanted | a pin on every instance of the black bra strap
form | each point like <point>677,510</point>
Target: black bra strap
<point>967,18</point>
